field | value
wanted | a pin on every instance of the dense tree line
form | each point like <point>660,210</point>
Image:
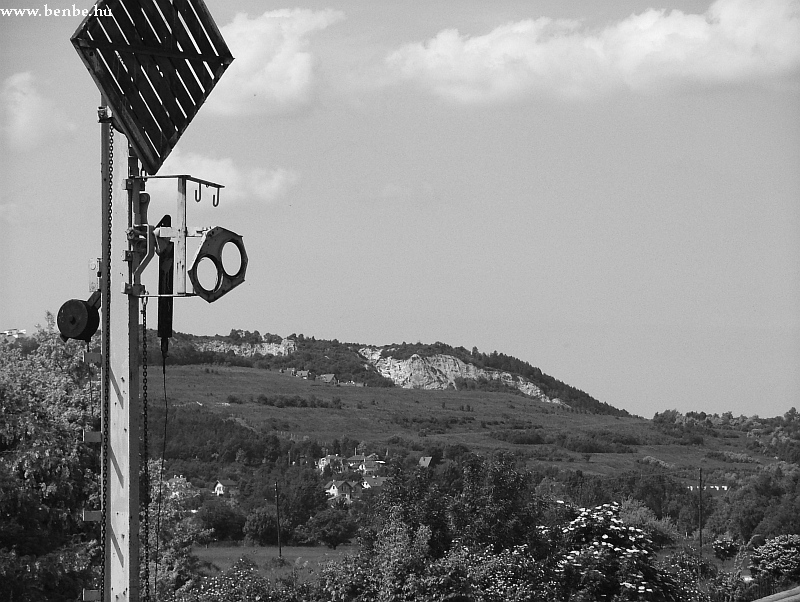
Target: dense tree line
<point>316,356</point>
<point>585,442</point>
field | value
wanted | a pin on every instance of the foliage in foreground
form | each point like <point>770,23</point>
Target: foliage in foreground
<point>778,557</point>
<point>47,474</point>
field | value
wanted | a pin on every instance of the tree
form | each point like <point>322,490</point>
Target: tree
<point>302,496</point>
<point>332,527</point>
<point>779,557</point>
<point>496,506</point>
<point>261,527</point>
<point>226,522</point>
<point>47,474</point>
<point>172,532</point>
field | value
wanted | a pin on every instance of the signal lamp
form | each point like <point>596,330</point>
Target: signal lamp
<point>214,243</point>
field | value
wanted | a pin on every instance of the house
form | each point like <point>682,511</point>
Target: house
<point>370,467</point>
<point>225,487</point>
<point>328,379</point>
<point>425,461</point>
<point>711,488</point>
<point>373,482</point>
<point>346,491</point>
<point>358,461</point>
<point>306,374</point>
<point>178,487</point>
<point>334,461</point>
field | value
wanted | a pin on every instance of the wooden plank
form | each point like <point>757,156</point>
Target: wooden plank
<point>181,67</point>
<point>98,69</point>
<point>92,437</point>
<point>92,516</point>
<point>185,43</point>
<point>140,67</point>
<point>169,78</point>
<point>131,115</point>
<point>183,82</point>
<point>200,35</point>
<point>165,107</point>
<point>214,33</point>
<point>196,29</point>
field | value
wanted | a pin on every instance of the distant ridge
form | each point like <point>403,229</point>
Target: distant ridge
<point>412,366</point>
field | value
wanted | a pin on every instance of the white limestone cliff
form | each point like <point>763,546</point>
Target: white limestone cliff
<point>285,347</point>
<point>441,371</point>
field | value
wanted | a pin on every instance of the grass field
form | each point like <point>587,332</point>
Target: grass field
<point>305,560</point>
<point>422,418</point>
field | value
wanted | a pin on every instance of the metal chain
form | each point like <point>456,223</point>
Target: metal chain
<point>106,367</point>
<point>144,456</point>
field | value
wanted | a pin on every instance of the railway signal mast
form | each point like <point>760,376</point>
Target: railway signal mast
<point>155,62</point>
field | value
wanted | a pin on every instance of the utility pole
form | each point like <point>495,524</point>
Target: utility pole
<point>278,512</point>
<point>700,513</point>
<point>700,527</point>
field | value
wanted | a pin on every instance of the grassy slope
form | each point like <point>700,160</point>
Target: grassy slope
<point>374,415</point>
<point>305,559</point>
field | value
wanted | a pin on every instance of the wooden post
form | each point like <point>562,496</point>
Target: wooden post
<point>122,530</point>
<point>278,512</point>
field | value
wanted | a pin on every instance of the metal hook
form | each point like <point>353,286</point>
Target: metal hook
<point>198,194</point>
<point>215,198</point>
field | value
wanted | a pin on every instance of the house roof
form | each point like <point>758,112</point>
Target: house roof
<point>371,482</point>
<point>327,378</point>
<point>226,483</point>
<point>425,461</point>
<point>341,484</point>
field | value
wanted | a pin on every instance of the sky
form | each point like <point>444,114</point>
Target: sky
<point>607,190</point>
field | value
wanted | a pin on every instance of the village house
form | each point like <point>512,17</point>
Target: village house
<point>178,486</point>
<point>225,487</point>
<point>373,482</point>
<point>711,488</point>
<point>345,491</point>
<point>364,464</point>
<point>328,379</point>
<point>334,461</point>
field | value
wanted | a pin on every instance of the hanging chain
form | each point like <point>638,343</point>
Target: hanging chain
<point>143,458</point>
<point>106,366</point>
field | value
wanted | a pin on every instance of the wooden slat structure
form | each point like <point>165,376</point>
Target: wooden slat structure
<point>156,61</point>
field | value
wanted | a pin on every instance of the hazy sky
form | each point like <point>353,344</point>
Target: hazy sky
<point>608,190</point>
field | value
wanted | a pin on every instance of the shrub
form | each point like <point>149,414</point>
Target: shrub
<point>725,548</point>
<point>779,557</point>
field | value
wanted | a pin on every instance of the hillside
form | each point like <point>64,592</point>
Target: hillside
<point>438,366</point>
<point>409,423</point>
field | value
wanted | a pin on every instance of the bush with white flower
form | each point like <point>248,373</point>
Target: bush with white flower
<point>606,559</point>
<point>778,557</point>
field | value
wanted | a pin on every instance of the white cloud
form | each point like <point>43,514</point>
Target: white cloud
<point>273,70</point>
<point>29,117</point>
<point>240,185</point>
<point>734,41</point>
